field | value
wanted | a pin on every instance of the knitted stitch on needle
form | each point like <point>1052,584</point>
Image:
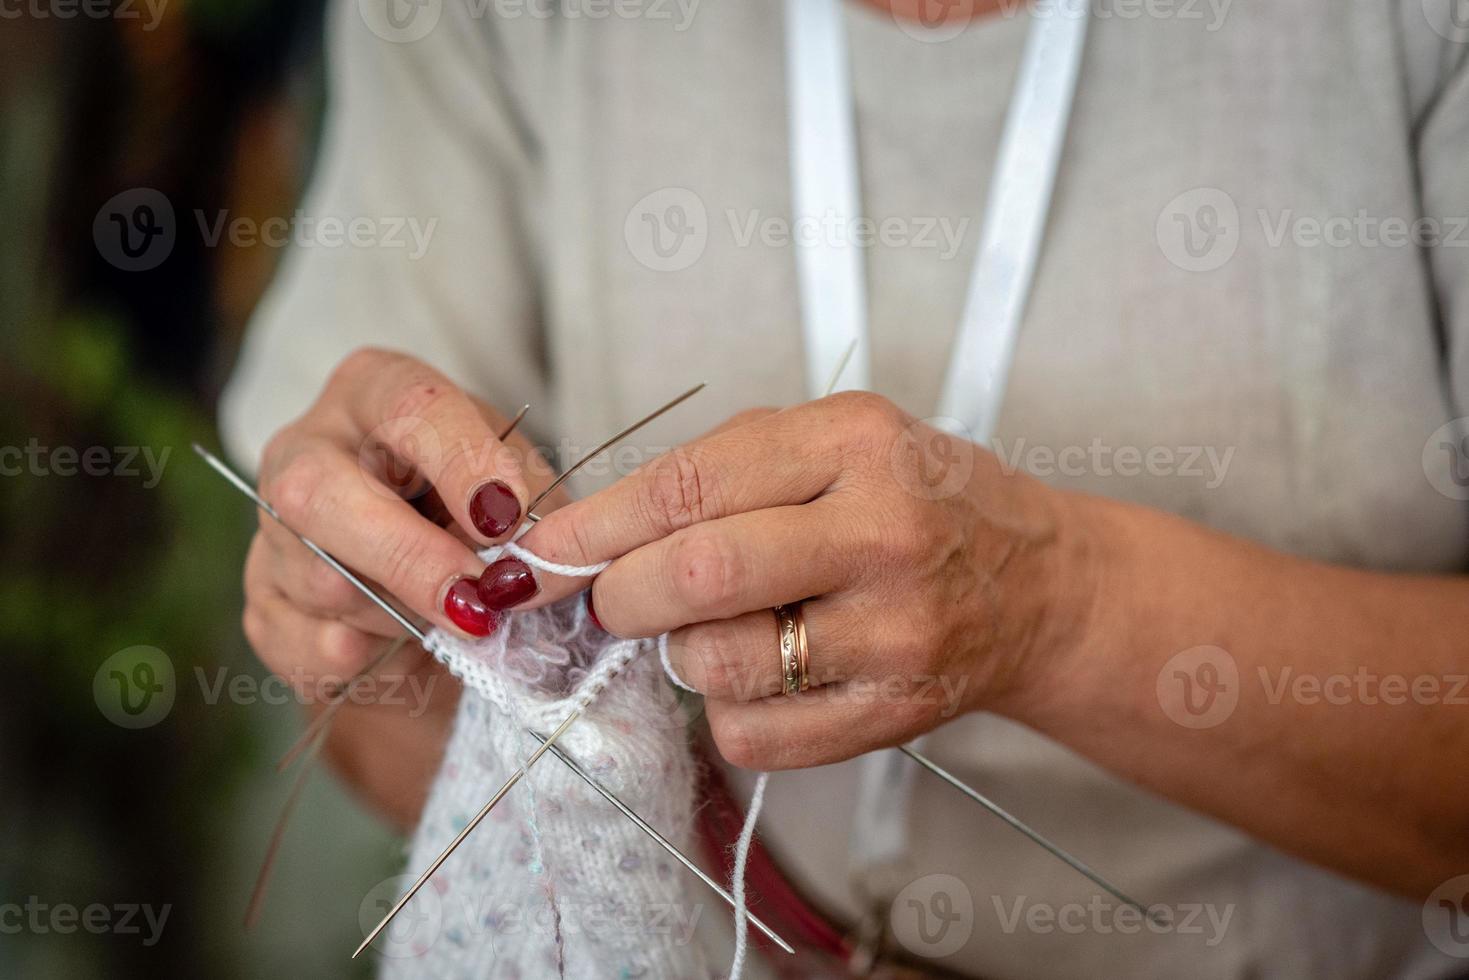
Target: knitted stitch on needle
<point>558,883</point>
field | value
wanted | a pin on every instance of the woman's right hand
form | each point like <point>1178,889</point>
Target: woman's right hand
<point>399,474</point>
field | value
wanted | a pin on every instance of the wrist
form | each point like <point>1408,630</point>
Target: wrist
<point>1080,587</point>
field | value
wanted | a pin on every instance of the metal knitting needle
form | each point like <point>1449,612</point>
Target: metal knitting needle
<point>474,822</point>
<point>220,467</point>
<point>235,480</point>
<point>1025,829</point>
<point>310,743</point>
<point>841,366</point>
<point>647,828</point>
<point>515,422</point>
<point>621,435</point>
<point>546,744</point>
<point>550,740</point>
<point>324,719</point>
<point>256,904</point>
<point>975,794</point>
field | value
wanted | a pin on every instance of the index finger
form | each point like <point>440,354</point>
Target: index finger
<point>782,459</point>
<point>440,433</point>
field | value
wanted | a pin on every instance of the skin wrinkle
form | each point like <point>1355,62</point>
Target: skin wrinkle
<point>1059,609</point>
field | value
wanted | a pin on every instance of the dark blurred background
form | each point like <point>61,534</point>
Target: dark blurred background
<point>137,783</point>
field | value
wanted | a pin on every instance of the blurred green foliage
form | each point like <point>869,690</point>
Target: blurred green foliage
<point>178,813</point>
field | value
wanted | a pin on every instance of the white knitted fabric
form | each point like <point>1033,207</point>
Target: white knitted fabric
<point>556,882</point>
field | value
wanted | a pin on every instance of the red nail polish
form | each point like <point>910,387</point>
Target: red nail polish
<point>592,612</point>
<point>462,604</point>
<point>507,582</point>
<point>494,509</point>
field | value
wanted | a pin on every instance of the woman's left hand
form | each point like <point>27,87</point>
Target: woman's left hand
<point>932,582</point>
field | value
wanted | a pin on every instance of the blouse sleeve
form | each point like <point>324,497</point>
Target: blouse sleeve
<point>1443,160</point>
<point>425,152</point>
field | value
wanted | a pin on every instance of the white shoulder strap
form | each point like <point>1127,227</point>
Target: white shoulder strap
<point>825,185</point>
<point>832,282</point>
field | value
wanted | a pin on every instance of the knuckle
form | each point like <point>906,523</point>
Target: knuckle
<point>677,495</point>
<point>276,449</point>
<point>572,544</point>
<point>295,491</point>
<point>708,570</point>
<point>418,393</point>
<point>869,420</point>
<point>751,415</point>
<point>361,361</point>
<point>402,561</point>
<point>867,408</point>
<point>707,665</point>
<point>908,715</point>
<point>326,590</point>
<point>736,743</point>
<point>338,645</point>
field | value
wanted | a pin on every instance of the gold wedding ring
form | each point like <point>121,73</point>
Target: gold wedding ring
<point>795,662</point>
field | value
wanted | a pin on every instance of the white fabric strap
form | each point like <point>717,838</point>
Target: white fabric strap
<point>826,193</point>
<point>1015,220</point>
<point>824,169</point>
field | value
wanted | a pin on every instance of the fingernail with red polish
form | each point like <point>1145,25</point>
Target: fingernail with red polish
<point>507,582</point>
<point>592,612</point>
<point>494,509</point>
<point>463,605</point>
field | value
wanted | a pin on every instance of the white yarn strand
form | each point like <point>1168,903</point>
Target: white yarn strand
<point>566,571</point>
<point>668,670</point>
<point>737,885</point>
<point>539,665</point>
